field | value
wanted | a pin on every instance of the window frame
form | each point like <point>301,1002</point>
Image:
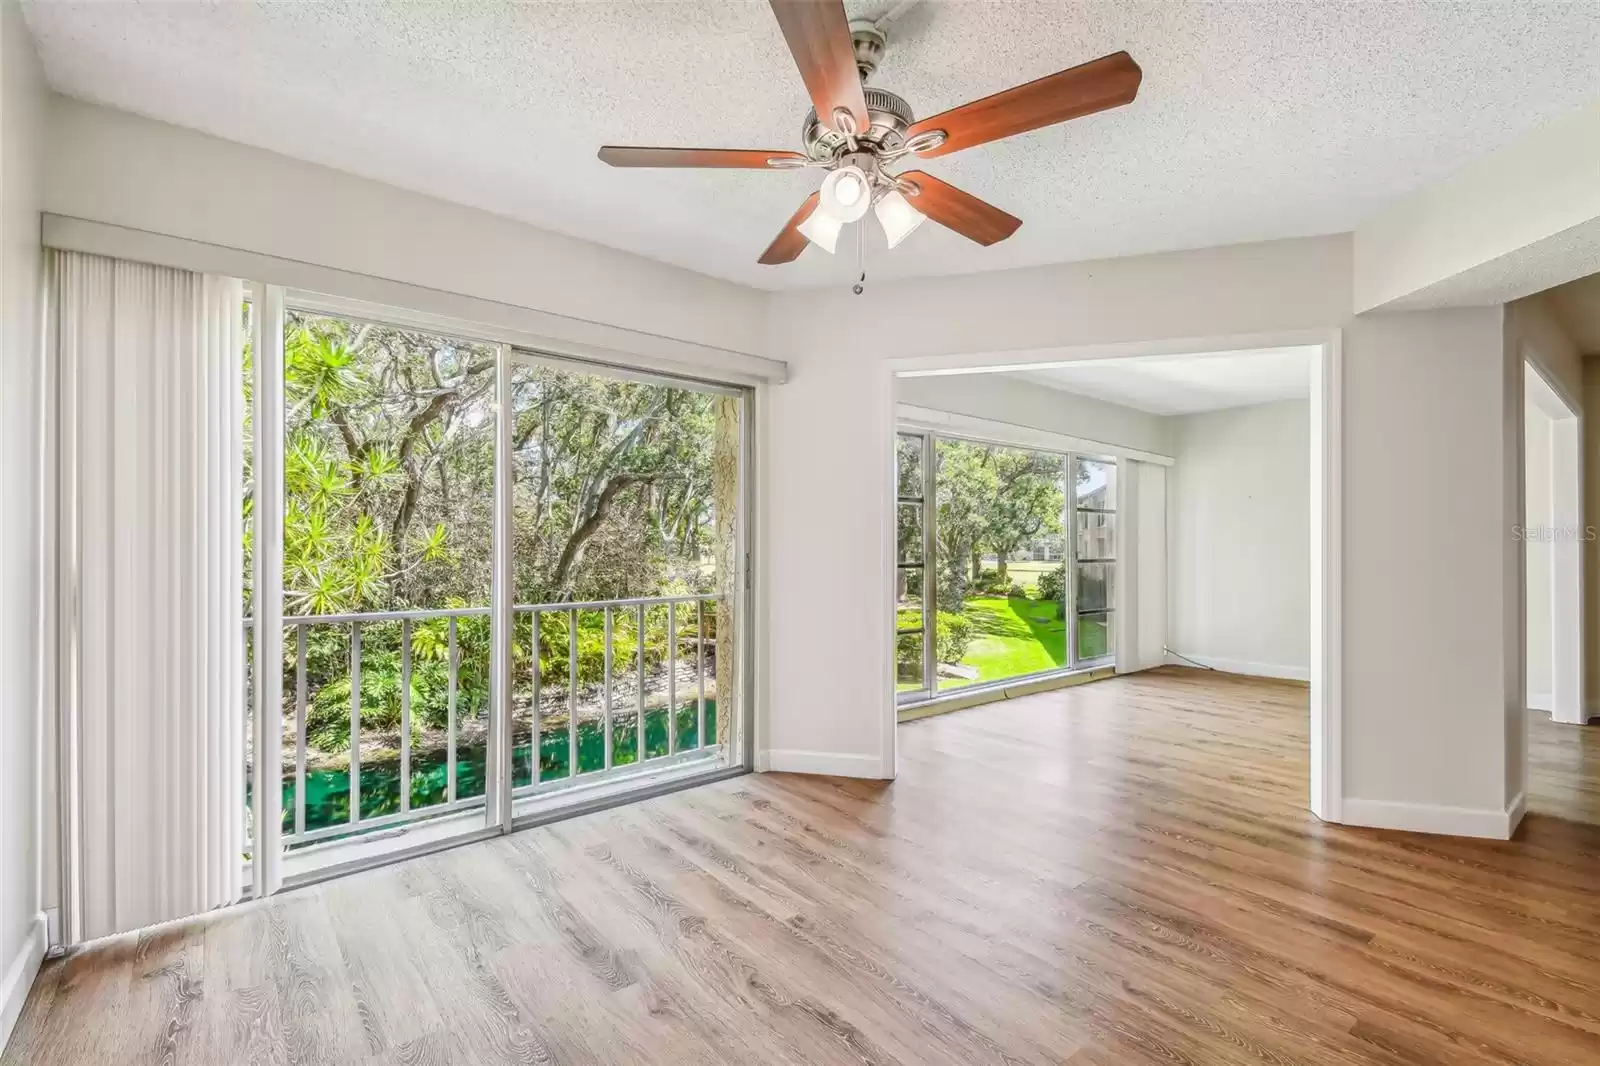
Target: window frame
<point>928,511</point>
<point>1074,612</point>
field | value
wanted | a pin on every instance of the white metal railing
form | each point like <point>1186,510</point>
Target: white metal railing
<point>577,700</point>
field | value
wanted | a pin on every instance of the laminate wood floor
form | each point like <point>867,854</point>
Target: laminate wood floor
<point>1119,873</point>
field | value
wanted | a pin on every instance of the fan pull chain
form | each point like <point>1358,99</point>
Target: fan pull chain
<point>861,259</point>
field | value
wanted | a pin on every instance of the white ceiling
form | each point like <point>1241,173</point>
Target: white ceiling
<point>1255,120</point>
<point>1186,384</point>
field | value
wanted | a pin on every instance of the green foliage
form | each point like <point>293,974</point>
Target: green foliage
<point>966,485</point>
<point>1053,584</point>
<point>990,500</point>
<point>388,505</point>
<point>952,636</point>
<point>990,582</point>
<point>1028,500</point>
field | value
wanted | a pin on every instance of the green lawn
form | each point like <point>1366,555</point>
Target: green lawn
<point>1012,636</point>
<point>1027,574</point>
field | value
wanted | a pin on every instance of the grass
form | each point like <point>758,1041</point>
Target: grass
<point>1011,636</point>
<point>1027,574</point>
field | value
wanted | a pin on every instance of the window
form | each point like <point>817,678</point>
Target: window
<point>511,582</point>
<point>1094,553</point>
<point>1002,571</point>
<point>913,636</point>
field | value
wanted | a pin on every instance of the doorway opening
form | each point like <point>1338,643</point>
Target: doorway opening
<point>1080,507</point>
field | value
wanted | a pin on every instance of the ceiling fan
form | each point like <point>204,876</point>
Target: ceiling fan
<point>856,132</point>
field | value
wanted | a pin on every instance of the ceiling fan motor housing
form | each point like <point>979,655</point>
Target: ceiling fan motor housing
<point>890,118</point>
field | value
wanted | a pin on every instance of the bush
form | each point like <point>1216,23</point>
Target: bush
<point>1053,584</point>
<point>953,633</point>
<point>989,582</point>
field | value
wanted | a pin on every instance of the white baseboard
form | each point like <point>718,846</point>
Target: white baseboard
<point>1243,666</point>
<point>19,977</point>
<point>1514,813</point>
<point>1546,703</point>
<point>1435,818</point>
<point>827,763</point>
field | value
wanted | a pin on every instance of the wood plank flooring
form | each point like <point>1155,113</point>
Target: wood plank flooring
<point>1119,873</point>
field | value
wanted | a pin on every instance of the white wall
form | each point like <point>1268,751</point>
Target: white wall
<point>1591,549</point>
<point>1429,451</point>
<point>110,166</point>
<point>1537,514</point>
<point>1239,540</point>
<point>826,448</point>
<point>1007,398</point>
<point>20,801</point>
<point>1142,567</point>
<point>1426,579</point>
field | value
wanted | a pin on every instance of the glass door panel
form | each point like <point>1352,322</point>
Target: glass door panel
<point>389,455</point>
<point>627,549</point>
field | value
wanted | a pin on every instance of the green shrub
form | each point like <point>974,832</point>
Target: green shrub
<point>954,633</point>
<point>1053,584</point>
<point>991,583</point>
<point>328,666</point>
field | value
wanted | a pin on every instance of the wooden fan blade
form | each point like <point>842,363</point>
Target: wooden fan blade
<point>746,158</point>
<point>790,242</point>
<point>960,211</point>
<point>1098,85</point>
<point>818,32</point>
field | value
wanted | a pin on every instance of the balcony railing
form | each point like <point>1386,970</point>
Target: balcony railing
<point>679,676</point>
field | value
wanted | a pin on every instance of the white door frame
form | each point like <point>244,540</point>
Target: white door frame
<point>1327,491</point>
<point>1565,538</point>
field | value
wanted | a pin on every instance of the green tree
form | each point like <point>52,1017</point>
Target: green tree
<point>614,487</point>
<point>965,482</point>
<point>1027,502</point>
<point>990,499</point>
<point>389,473</point>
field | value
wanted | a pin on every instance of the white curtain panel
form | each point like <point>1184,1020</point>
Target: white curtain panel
<point>152,568</point>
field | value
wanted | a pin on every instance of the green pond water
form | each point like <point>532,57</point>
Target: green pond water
<point>328,791</point>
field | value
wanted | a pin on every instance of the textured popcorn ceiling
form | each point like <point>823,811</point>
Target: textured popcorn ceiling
<point>1255,120</point>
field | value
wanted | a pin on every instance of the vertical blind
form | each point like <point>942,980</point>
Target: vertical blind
<point>152,562</point>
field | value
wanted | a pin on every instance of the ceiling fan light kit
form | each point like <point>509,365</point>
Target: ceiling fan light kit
<point>869,129</point>
<point>897,217</point>
<point>822,230</point>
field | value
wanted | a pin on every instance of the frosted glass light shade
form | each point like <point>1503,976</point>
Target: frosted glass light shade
<point>846,194</point>
<point>822,230</point>
<point>898,218</point>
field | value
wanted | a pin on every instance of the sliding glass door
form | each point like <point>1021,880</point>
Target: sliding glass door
<point>501,576</point>
<point>626,534</point>
<point>1005,560</point>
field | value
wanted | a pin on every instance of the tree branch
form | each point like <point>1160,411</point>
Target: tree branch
<point>590,526</point>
